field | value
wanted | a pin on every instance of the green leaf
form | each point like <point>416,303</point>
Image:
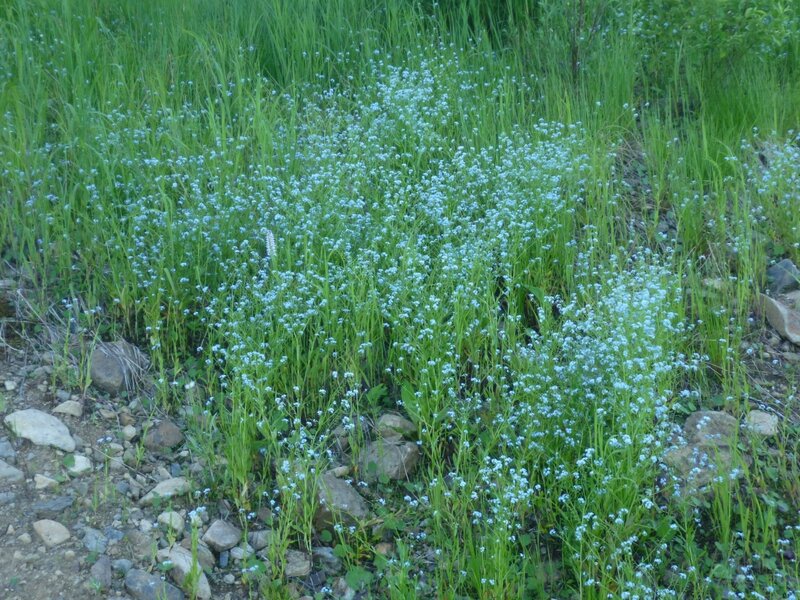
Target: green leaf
<point>326,536</point>
<point>69,461</point>
<point>380,562</point>
<point>165,566</point>
<point>409,399</point>
<point>376,394</point>
<point>392,523</point>
<point>342,550</point>
<point>537,293</point>
<point>722,571</point>
<point>358,577</point>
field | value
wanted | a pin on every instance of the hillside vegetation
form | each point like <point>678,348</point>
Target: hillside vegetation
<point>537,230</point>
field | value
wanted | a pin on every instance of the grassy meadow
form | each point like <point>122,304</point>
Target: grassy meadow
<point>535,229</point>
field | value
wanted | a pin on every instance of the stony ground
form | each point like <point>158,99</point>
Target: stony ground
<point>99,497</point>
<point>75,521</point>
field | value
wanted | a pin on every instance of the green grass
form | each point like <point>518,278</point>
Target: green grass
<point>501,222</point>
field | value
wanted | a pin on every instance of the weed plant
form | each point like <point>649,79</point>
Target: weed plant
<point>501,223</point>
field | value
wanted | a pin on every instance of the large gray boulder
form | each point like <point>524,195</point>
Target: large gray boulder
<point>338,501</point>
<point>40,428</point>
<point>392,458</point>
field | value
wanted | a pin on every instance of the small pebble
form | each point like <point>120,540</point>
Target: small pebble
<point>384,548</point>
<point>122,565</point>
<point>239,553</point>
<point>42,482</point>
<point>171,520</point>
<point>107,414</point>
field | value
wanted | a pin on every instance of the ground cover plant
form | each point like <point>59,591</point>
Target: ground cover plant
<point>538,231</point>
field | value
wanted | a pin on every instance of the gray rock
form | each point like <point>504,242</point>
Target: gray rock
<point>7,451</point>
<point>69,407</point>
<point>113,535</point>
<point>81,487</point>
<point>171,520</point>
<point>42,482</point>
<point>224,557</point>
<point>163,436</point>
<point>107,370</point>
<point>141,585</point>
<point>384,548</point>
<point>9,473</point>
<point>7,498</point>
<point>707,455</point>
<point>117,366</point>
<point>78,465</point>
<point>129,432</point>
<point>342,471</point>
<point>327,559</point>
<point>204,556</point>
<point>342,591</point>
<point>710,426</point>
<point>115,463</point>
<point>186,571</point>
<point>122,565</point>
<point>785,320</point>
<point>176,486</point>
<point>260,538</point>
<point>394,426</point>
<point>342,439</point>
<point>762,423</point>
<point>391,458</point>
<point>296,564</point>
<point>338,500</point>
<point>40,428</point>
<point>783,277</point>
<point>52,533</point>
<point>698,464</point>
<point>52,507</point>
<point>107,413</point>
<point>793,299</point>
<point>130,457</point>
<point>100,573</point>
<point>222,535</point>
<point>240,552</point>
<point>94,540</point>
<point>141,544</point>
